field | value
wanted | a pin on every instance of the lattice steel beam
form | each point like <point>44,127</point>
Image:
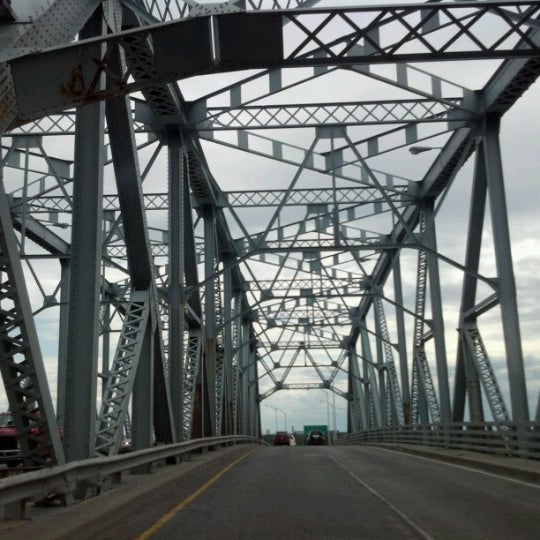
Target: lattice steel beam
<point>393,390</point>
<point>191,373</point>
<point>21,363</point>
<point>421,370</point>
<point>262,34</point>
<point>163,10</point>
<point>121,377</point>
<point>486,373</point>
<point>315,199</point>
<point>338,114</point>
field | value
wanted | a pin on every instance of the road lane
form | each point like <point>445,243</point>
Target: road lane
<point>287,493</point>
<point>357,492</point>
<point>445,500</point>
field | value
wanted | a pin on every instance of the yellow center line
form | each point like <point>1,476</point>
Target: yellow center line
<point>180,506</point>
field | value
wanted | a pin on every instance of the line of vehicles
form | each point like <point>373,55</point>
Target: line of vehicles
<point>11,455</point>
<point>315,437</point>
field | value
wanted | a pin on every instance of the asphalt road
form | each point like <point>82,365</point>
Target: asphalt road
<point>330,492</point>
<point>301,492</point>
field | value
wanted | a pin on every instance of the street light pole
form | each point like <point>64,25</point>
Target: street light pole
<point>334,416</point>
<point>328,421</point>
<point>275,411</point>
<point>328,418</point>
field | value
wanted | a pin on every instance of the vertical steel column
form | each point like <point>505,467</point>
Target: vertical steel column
<point>370,376</point>
<point>253,410</point>
<point>392,400</point>
<point>210,348</point>
<point>352,410</point>
<point>381,376</point>
<point>257,403</point>
<point>163,428</point>
<point>422,389</point>
<point>244,375</point>
<point>193,406</point>
<point>358,403</point>
<point>505,271</point>
<point>106,341</point>
<point>228,324</point>
<point>142,401</point>
<point>62,343</point>
<point>235,344</point>
<point>401,338</point>
<point>430,240</point>
<point>84,292</point>
<point>177,172</point>
<point>466,379</point>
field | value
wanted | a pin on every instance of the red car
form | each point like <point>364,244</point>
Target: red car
<point>281,438</point>
<point>10,453</point>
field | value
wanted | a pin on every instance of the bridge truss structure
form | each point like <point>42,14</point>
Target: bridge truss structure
<point>205,203</point>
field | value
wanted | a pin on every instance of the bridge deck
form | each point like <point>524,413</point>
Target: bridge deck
<point>309,491</point>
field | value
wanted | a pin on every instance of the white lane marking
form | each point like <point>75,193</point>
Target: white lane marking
<point>413,525</point>
<point>458,466</point>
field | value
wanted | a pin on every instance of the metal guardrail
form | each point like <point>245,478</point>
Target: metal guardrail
<point>16,491</point>
<point>510,439</point>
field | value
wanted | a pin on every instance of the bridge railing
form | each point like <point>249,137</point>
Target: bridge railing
<point>63,480</point>
<point>520,439</point>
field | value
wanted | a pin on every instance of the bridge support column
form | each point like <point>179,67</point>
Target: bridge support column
<point>61,384</point>
<point>253,392</point>
<point>373,405</point>
<point>401,338</point>
<point>143,394</point>
<point>244,378</point>
<point>503,259</point>
<point>84,291</point>
<point>380,362</point>
<point>467,383</point>
<point>236,324</point>
<point>357,416</point>
<point>210,331</point>
<point>177,180</point>
<point>227,424</point>
<point>430,240</point>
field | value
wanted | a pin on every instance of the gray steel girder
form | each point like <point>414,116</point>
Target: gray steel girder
<point>21,363</point>
<point>335,114</point>
<point>84,286</point>
<point>120,380</point>
<point>259,33</point>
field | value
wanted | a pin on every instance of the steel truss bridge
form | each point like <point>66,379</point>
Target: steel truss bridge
<point>205,203</point>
